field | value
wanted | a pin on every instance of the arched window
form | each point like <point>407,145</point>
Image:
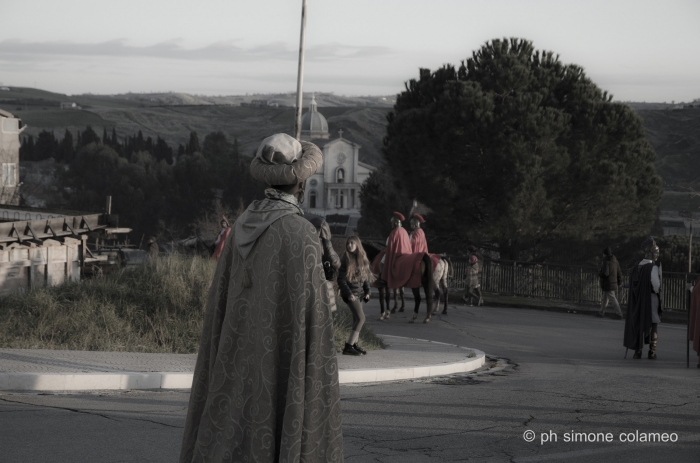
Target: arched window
<point>340,175</point>
<point>312,199</point>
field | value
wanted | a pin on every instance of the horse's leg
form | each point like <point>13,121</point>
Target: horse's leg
<point>387,299</point>
<point>396,302</point>
<point>416,298</point>
<point>443,283</point>
<point>403,300</point>
<point>381,302</point>
<point>428,284</point>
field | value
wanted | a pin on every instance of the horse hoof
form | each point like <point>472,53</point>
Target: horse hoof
<point>444,312</point>
<point>427,320</point>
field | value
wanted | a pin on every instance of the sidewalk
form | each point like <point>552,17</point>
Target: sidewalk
<point>63,370</point>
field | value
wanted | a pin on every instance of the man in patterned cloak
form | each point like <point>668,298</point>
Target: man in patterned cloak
<point>265,385</point>
<point>644,306</point>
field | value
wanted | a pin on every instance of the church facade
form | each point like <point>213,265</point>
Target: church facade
<point>335,189</point>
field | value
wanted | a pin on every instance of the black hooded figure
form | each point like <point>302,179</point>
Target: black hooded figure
<point>644,303</point>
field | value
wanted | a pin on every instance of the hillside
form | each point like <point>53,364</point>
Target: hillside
<point>153,116</point>
<point>673,131</point>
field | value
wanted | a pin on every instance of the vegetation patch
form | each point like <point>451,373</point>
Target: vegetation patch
<point>157,307</point>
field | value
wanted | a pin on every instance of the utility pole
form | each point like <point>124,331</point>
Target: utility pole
<point>690,248</point>
<point>300,74</point>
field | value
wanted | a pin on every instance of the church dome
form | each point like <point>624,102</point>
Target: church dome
<point>313,123</point>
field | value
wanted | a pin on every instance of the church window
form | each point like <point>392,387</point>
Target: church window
<point>340,175</point>
<point>312,199</point>
<point>9,174</point>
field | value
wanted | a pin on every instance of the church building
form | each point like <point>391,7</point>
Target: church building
<point>334,191</point>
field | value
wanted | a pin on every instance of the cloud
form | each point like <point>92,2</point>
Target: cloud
<point>226,51</point>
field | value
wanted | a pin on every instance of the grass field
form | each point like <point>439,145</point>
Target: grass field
<point>157,307</point>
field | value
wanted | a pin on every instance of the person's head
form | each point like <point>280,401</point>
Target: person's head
<point>651,249</point>
<point>396,219</point>
<point>416,221</point>
<point>473,259</point>
<point>607,252</point>
<point>356,261</point>
<point>285,164</point>
<point>224,223</point>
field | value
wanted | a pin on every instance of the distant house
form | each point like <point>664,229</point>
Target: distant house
<point>4,89</point>
<point>674,228</point>
<point>69,105</point>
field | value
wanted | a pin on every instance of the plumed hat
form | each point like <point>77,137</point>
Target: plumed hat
<point>419,218</point>
<point>399,216</point>
<point>282,160</point>
<point>649,244</point>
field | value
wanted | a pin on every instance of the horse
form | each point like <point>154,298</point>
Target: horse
<point>426,278</point>
<point>442,271</point>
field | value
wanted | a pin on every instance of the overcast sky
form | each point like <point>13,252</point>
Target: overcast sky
<point>639,50</point>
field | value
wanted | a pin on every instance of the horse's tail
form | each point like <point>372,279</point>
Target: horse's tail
<point>428,268</point>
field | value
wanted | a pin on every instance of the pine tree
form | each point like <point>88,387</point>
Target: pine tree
<point>517,149</point>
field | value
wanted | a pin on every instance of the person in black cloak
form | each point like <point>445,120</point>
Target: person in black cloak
<point>265,386</point>
<point>644,306</point>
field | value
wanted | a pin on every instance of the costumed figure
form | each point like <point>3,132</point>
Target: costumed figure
<point>265,386</point>
<point>220,241</point>
<point>610,278</point>
<point>354,278</point>
<point>644,303</point>
<point>473,285</point>
<point>440,266</point>
<point>694,326</point>
<point>152,248</point>
<point>399,267</point>
<point>330,259</point>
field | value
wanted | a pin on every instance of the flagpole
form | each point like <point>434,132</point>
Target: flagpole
<point>300,75</point>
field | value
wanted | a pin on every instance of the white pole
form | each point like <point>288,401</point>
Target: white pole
<point>300,75</point>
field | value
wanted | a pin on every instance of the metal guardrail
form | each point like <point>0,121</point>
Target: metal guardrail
<point>560,282</point>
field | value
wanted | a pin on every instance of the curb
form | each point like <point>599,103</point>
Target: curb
<point>69,382</point>
<point>375,375</point>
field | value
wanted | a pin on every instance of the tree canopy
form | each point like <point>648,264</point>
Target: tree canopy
<point>517,149</point>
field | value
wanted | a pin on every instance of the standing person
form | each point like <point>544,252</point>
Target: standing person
<point>152,247</point>
<point>610,278</point>
<point>473,285</point>
<point>220,241</point>
<point>694,327</point>
<point>644,305</point>
<point>354,278</point>
<point>265,385</point>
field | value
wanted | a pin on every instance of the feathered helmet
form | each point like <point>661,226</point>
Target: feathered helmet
<point>419,218</point>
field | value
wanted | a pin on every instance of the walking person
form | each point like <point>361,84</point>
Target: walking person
<point>610,279</point>
<point>265,386</point>
<point>354,278</point>
<point>473,285</point>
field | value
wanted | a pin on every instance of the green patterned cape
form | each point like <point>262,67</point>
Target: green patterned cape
<point>265,385</point>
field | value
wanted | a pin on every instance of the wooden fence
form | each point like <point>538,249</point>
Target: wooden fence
<point>560,282</point>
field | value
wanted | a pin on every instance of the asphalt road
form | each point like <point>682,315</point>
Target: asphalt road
<point>568,380</point>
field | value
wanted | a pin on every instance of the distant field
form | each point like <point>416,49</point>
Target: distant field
<point>40,119</point>
<point>677,201</point>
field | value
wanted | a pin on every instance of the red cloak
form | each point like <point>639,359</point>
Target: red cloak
<point>694,327</point>
<point>401,265</point>
<point>220,242</point>
<point>418,242</point>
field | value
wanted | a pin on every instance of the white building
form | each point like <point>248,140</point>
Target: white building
<point>10,128</point>
<point>335,189</point>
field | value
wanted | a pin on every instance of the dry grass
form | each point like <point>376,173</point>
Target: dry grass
<point>157,307</point>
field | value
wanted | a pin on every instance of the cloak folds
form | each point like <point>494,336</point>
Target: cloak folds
<point>401,265</point>
<point>418,241</point>
<point>638,321</point>
<point>265,385</point>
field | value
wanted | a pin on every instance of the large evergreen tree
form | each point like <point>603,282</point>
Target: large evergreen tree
<point>518,149</point>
